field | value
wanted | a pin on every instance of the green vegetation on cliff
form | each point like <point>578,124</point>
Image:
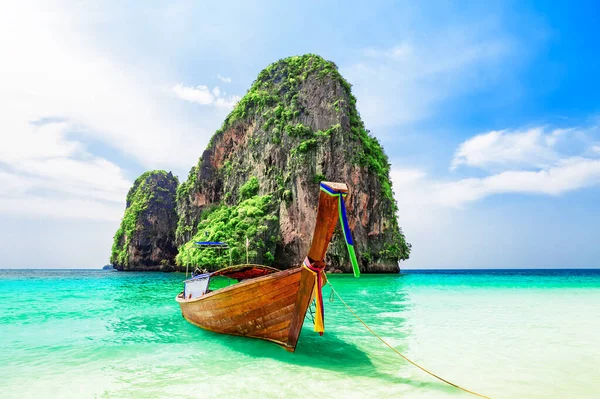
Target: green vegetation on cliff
<point>251,218</point>
<point>276,88</point>
<point>138,198</point>
<point>274,96</point>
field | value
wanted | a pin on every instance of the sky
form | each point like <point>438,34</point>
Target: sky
<point>488,111</point>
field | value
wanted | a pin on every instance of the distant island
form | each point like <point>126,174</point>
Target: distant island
<point>108,267</point>
<point>258,180</point>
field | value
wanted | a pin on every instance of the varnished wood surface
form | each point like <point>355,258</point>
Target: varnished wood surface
<point>327,218</point>
<point>260,308</point>
<point>244,272</point>
<point>304,298</point>
<point>341,187</point>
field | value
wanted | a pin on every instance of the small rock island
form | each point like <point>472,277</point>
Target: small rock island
<point>145,241</point>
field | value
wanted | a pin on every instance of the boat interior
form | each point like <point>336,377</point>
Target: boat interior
<point>202,283</point>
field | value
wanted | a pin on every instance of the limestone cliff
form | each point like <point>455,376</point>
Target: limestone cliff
<point>145,239</point>
<point>258,178</point>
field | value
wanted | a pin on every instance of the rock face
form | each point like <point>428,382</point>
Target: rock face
<point>259,177</point>
<point>145,241</point>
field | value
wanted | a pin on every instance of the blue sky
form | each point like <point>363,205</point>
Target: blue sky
<point>489,113</point>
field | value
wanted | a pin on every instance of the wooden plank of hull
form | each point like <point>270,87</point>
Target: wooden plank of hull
<point>264,308</point>
<point>305,295</point>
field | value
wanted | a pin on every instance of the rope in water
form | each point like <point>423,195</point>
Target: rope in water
<point>400,354</point>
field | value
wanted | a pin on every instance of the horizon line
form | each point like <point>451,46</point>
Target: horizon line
<point>401,269</point>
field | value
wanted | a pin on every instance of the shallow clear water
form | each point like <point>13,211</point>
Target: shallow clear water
<point>83,334</point>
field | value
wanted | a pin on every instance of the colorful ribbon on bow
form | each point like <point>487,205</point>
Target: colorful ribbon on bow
<point>345,226</point>
<point>317,270</point>
<point>320,310</point>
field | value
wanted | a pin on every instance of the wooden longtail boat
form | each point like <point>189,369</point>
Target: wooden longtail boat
<point>270,304</point>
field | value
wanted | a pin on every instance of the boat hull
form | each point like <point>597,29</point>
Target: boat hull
<point>270,307</point>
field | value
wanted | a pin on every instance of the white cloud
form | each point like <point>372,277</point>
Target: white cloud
<point>61,208</point>
<point>13,184</point>
<point>526,161</point>
<point>224,78</point>
<point>42,172</point>
<point>509,149</point>
<point>419,190</point>
<point>436,212</point>
<point>199,94</point>
<point>204,96</point>
<point>57,69</point>
<point>59,90</point>
<point>568,175</point>
<point>596,149</point>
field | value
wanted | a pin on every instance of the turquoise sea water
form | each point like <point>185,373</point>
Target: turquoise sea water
<point>96,334</point>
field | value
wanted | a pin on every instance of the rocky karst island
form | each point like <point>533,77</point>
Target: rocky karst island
<point>258,179</point>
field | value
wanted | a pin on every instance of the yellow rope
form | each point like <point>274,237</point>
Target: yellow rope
<point>400,354</point>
